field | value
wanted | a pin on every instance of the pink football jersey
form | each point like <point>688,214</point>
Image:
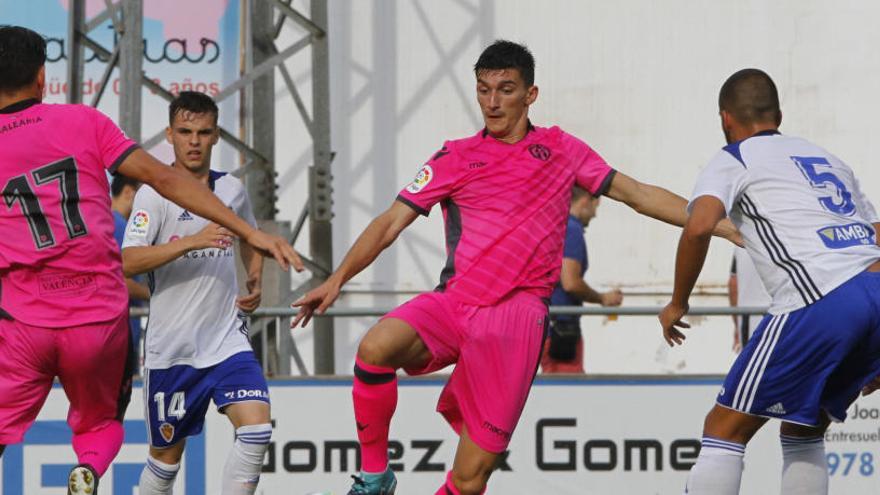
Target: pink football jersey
<point>59,263</point>
<point>505,207</point>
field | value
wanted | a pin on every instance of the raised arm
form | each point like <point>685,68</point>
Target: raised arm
<point>661,204</point>
<point>197,198</point>
<point>378,235</point>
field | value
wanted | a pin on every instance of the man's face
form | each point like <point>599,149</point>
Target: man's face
<point>193,135</point>
<point>504,100</point>
<point>586,209</point>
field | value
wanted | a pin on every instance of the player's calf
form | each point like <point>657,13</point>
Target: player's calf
<point>245,462</point>
<point>158,477</point>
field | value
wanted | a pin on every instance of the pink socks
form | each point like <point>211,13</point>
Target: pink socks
<point>375,399</point>
<point>98,448</point>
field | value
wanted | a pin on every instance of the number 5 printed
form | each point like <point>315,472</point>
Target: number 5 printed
<point>839,200</point>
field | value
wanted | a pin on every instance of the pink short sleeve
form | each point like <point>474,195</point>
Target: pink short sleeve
<point>435,181</point>
<point>591,171</point>
<point>113,145</point>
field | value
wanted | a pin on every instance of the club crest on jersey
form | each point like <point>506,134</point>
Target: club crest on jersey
<point>843,236</point>
<point>540,152</point>
<point>140,222</point>
<point>422,179</point>
<point>167,431</point>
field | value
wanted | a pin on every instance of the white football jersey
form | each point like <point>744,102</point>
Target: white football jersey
<point>806,223</point>
<point>193,317</point>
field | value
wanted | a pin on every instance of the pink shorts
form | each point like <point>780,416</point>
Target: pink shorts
<point>93,363</point>
<point>496,350</point>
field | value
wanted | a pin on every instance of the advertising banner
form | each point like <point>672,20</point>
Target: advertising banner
<point>581,436</point>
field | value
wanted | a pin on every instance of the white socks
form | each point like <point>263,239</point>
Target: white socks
<point>157,478</point>
<point>242,471</point>
<point>718,469</point>
<point>804,468</point>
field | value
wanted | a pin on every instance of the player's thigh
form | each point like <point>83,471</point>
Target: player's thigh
<point>394,343</point>
<point>95,366</point>
<point>27,368</point>
<point>472,465</point>
<point>803,431</point>
<point>169,455</point>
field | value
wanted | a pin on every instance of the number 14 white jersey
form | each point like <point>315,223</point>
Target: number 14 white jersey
<point>804,218</point>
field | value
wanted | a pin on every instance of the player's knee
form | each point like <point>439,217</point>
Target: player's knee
<point>170,455</point>
<point>470,483</point>
<point>801,431</point>
<point>371,350</point>
<point>730,425</point>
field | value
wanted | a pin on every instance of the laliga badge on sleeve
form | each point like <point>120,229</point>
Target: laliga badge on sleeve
<point>140,222</point>
<point>426,173</point>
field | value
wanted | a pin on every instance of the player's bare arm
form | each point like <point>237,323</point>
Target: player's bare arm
<point>142,259</point>
<point>253,264</point>
<point>662,204</point>
<point>572,283</point>
<point>692,248</point>
<point>378,235</point>
<point>197,198</point>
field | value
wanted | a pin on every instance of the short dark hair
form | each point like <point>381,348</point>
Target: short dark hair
<point>505,54</point>
<point>751,97</point>
<point>22,53</point>
<point>119,183</point>
<point>578,192</point>
<point>192,101</point>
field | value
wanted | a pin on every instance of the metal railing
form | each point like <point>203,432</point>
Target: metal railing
<point>266,323</point>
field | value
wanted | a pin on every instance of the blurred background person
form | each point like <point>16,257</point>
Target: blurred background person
<point>744,288</point>
<point>564,348</point>
<point>122,191</point>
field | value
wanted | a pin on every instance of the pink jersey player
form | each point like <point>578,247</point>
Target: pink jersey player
<point>505,194</point>
<point>504,207</point>
<point>63,301</point>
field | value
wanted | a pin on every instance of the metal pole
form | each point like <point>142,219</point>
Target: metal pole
<point>260,178</point>
<point>76,24</point>
<point>131,68</point>
<point>320,190</point>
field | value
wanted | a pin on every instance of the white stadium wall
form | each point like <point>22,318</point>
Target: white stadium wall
<point>576,437</point>
<point>637,80</point>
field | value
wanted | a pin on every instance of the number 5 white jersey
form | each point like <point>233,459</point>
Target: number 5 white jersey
<point>806,224</point>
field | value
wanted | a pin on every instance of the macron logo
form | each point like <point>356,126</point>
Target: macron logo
<point>776,408</point>
<point>184,216</point>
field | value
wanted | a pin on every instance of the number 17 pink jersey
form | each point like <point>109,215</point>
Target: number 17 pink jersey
<point>59,263</point>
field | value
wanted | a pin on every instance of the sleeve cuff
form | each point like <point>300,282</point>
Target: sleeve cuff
<point>418,209</point>
<point>606,183</point>
<point>122,158</point>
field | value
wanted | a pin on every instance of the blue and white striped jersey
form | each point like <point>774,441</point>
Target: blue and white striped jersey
<point>193,317</point>
<point>806,223</point>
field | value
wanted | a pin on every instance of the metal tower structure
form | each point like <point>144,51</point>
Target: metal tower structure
<point>265,22</point>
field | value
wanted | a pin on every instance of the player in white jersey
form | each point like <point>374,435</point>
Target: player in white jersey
<point>812,235</point>
<point>196,346</point>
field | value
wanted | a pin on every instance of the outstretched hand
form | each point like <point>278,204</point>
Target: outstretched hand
<point>315,301</point>
<point>273,246</point>
<point>670,318</point>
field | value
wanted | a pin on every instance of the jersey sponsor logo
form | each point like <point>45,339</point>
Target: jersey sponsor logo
<point>475,165</point>
<point>241,394</point>
<point>540,152</point>
<point>422,179</point>
<point>167,431</point>
<point>15,124</point>
<point>140,222</point>
<point>185,216</point>
<point>67,284</point>
<point>844,236</point>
